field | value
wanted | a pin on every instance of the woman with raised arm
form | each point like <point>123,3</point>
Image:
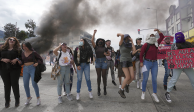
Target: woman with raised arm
<point>149,53</point>
<point>101,64</point>
<point>126,46</point>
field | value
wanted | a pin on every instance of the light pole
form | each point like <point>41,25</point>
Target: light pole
<point>156,16</point>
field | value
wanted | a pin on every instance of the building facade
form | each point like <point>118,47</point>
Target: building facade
<point>181,19</point>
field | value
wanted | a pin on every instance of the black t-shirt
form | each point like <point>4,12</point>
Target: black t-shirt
<point>138,46</point>
<point>100,51</point>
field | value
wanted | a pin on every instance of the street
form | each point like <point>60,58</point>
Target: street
<point>182,99</point>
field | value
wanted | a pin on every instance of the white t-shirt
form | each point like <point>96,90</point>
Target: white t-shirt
<point>65,58</point>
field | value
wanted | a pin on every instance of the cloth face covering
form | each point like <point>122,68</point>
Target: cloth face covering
<point>151,40</point>
<point>180,38</point>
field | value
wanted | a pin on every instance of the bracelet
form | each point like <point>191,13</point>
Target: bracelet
<point>18,59</point>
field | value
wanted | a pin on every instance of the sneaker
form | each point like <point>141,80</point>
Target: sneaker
<point>143,96</point>
<point>60,100</point>
<point>122,94</point>
<point>137,84</point>
<point>174,88</point>
<point>90,95</point>
<point>114,82</point>
<point>167,96</point>
<point>28,101</point>
<point>119,86</point>
<point>127,88</point>
<point>155,97</point>
<point>78,96</point>
<point>64,94</point>
<point>69,97</point>
<point>165,87</point>
<point>141,86</point>
<point>38,102</point>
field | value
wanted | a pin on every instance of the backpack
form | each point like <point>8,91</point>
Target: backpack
<point>148,46</point>
<point>56,68</point>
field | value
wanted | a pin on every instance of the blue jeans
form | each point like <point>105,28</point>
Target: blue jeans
<point>29,71</point>
<point>176,74</point>
<point>64,76</point>
<point>153,66</point>
<point>86,69</point>
<point>101,63</point>
<point>167,72</point>
<point>71,79</point>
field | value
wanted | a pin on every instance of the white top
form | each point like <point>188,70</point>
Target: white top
<point>65,58</point>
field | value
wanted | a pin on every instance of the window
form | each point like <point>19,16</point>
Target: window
<point>172,20</point>
<point>191,21</point>
<point>169,23</point>
<point>178,27</point>
<point>177,16</point>
<point>172,30</point>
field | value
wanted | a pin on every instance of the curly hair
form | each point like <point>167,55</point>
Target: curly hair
<point>16,46</point>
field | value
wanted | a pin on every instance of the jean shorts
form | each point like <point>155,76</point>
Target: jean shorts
<point>101,63</point>
<point>126,64</point>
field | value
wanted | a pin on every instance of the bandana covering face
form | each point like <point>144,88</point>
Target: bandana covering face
<point>180,38</point>
<point>151,40</point>
<point>127,44</point>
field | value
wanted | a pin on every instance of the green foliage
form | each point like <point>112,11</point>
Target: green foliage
<point>30,25</point>
<point>10,30</point>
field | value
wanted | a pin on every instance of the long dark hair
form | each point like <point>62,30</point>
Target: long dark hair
<point>28,45</point>
<point>184,45</point>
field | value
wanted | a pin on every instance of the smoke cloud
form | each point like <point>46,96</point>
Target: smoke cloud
<point>64,16</point>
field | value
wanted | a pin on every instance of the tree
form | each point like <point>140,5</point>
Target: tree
<point>10,30</point>
<point>22,35</point>
<point>30,25</point>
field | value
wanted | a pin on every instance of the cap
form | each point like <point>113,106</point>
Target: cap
<point>126,35</point>
<point>138,38</point>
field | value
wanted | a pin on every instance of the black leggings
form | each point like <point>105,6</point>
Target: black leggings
<point>10,79</point>
<point>101,73</point>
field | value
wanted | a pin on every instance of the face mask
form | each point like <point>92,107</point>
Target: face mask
<point>100,43</point>
<point>81,43</point>
<point>152,39</point>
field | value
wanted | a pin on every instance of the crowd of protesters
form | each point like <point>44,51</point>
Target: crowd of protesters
<point>130,59</point>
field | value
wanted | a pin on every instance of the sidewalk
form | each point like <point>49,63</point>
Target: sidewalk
<point>182,99</point>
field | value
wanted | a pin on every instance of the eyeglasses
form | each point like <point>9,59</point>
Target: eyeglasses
<point>12,40</point>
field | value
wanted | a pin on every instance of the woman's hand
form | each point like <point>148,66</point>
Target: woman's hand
<point>141,64</point>
<point>78,68</point>
<point>95,31</point>
<point>13,62</point>
<point>6,60</point>
<point>35,65</point>
<point>19,62</point>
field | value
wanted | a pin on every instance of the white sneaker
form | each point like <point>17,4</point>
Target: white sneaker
<point>137,84</point>
<point>143,96</point>
<point>90,95</point>
<point>60,100</point>
<point>69,97</point>
<point>141,85</point>
<point>119,86</point>
<point>155,97</point>
<point>38,102</point>
<point>28,101</point>
<point>78,96</point>
<point>64,94</point>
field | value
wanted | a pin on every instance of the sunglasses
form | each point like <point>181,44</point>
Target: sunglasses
<point>12,40</point>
